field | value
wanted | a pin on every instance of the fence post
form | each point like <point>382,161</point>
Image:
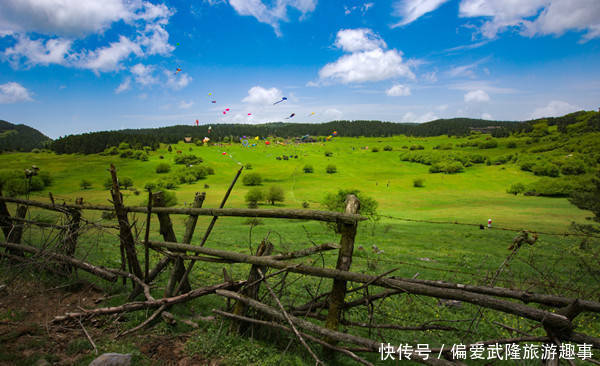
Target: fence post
<point>125,236</point>
<point>4,218</point>
<point>14,231</point>
<point>338,291</point>
<point>265,248</point>
<point>72,233</point>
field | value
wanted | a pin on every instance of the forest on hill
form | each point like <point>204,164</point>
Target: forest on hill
<point>96,142</point>
<point>20,137</point>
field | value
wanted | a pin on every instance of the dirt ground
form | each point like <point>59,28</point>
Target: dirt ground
<point>26,334</point>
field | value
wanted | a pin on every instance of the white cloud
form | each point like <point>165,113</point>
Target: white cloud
<point>185,105</point>
<point>57,23</point>
<point>179,81</point>
<point>411,10</point>
<point>109,58</point>
<point>412,117</point>
<point>486,116</point>
<point>274,14</point>
<point>261,96</point>
<point>13,92</point>
<point>368,60</point>
<point>477,96</point>
<point>125,85</point>
<point>554,109</point>
<point>38,52</point>
<point>143,74</point>
<point>333,114</point>
<point>61,17</point>
<point>361,39</point>
<point>375,65</point>
<point>398,90</point>
<point>486,86</point>
<point>535,17</point>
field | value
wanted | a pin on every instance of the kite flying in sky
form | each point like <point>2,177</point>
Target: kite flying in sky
<point>279,101</point>
<point>291,115</point>
<point>178,70</point>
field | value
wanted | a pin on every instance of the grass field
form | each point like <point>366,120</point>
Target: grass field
<point>462,253</point>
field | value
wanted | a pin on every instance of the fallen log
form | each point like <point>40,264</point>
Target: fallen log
<point>149,304</point>
<point>95,270</point>
<point>284,328</point>
<point>328,333</point>
<point>558,322</point>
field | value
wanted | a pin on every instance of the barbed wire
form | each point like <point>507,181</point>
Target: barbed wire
<point>494,228</point>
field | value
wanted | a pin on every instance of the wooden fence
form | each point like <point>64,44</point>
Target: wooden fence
<point>555,315</point>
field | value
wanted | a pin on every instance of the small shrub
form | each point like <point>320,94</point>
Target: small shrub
<point>375,149</point>
<point>305,204</point>
<point>36,184</point>
<point>512,145</point>
<point>516,188</point>
<point>387,148</point>
<point>85,184</point>
<point>308,169</point>
<point>188,159</point>
<point>417,147</point>
<point>331,169</point>
<point>489,144</point>
<point>254,196</point>
<point>546,169</point>
<point>418,182</point>
<point>252,179</point>
<point>248,166</point>
<point>328,153</point>
<point>128,153</point>
<point>45,176</point>
<point>150,186</point>
<point>550,188</point>
<point>163,168</point>
<point>253,221</point>
<point>573,167</point>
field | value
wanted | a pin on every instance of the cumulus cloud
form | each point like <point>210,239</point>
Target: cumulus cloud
<point>125,85</point>
<point>179,81</point>
<point>274,14</point>
<point>535,17</point>
<point>261,96</point>
<point>554,109</point>
<point>477,96</point>
<point>109,58</point>
<point>368,60</point>
<point>57,23</point>
<point>13,92</point>
<point>398,90</point>
<point>143,74</point>
<point>411,10</point>
<point>361,39</point>
<point>486,116</point>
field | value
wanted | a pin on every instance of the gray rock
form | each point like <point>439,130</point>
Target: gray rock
<point>112,359</point>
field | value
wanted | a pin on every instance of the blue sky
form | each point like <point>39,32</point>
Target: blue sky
<point>72,66</point>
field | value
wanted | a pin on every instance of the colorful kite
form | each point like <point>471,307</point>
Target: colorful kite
<point>291,115</point>
<point>279,101</point>
<point>214,101</point>
<point>197,122</point>
<point>178,70</point>
<point>249,114</point>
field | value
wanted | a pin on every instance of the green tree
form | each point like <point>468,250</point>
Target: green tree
<point>252,179</point>
<point>331,169</point>
<point>254,196</point>
<point>308,168</point>
<point>275,194</point>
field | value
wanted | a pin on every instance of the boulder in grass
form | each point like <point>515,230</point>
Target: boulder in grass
<point>112,359</point>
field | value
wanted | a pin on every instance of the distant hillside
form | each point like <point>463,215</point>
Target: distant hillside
<point>20,137</point>
<point>98,141</point>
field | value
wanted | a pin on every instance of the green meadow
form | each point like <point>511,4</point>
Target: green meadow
<point>444,250</point>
